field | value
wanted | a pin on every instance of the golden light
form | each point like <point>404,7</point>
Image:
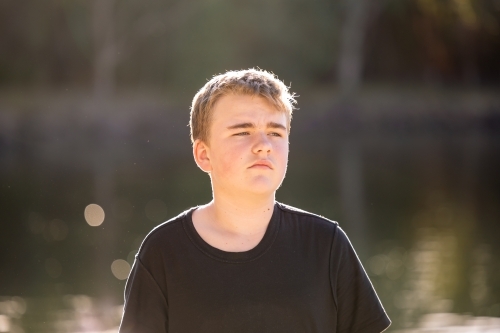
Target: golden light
<point>94,215</point>
<point>120,269</point>
<point>81,303</point>
<point>18,305</point>
<point>4,323</point>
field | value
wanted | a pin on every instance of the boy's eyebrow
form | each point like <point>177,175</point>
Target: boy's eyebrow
<point>270,124</point>
<point>276,125</point>
<point>241,125</point>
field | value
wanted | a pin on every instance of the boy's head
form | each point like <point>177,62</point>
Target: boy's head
<point>253,82</point>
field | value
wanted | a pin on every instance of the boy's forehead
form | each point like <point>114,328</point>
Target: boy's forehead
<point>237,106</point>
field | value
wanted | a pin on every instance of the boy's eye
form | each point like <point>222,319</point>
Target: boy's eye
<point>242,133</point>
<point>275,134</point>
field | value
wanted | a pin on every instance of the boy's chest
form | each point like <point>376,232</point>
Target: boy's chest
<point>285,289</point>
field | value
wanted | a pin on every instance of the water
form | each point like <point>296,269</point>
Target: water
<point>420,206</point>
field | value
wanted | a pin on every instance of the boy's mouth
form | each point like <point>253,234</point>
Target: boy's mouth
<point>262,164</point>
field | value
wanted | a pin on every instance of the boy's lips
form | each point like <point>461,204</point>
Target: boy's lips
<point>263,164</point>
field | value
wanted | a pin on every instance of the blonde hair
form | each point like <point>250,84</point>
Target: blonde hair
<point>247,82</point>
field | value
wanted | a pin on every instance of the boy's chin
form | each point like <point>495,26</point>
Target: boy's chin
<point>262,188</point>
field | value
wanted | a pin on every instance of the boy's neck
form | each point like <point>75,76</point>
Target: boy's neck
<point>241,215</point>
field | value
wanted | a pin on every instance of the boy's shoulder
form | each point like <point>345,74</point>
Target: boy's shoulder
<point>294,213</point>
<point>168,229</point>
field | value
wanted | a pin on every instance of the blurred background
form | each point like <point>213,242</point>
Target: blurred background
<point>397,137</point>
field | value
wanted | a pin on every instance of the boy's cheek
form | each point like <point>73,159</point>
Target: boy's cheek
<point>282,153</point>
<point>228,162</point>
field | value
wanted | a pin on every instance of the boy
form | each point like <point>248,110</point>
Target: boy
<point>244,262</point>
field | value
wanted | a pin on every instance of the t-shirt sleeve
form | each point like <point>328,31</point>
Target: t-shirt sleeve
<point>358,307</point>
<point>145,309</point>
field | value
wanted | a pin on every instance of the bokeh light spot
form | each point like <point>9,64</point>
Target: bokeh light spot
<point>156,210</point>
<point>56,231</point>
<point>81,303</point>
<point>94,215</point>
<point>120,269</point>
<point>19,305</point>
<point>131,257</point>
<point>394,269</point>
<point>4,323</point>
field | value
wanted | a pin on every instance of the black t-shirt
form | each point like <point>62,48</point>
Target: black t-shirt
<point>303,276</point>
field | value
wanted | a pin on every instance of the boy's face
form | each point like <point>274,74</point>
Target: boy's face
<point>248,146</point>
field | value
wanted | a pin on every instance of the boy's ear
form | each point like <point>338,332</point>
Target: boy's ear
<point>201,153</point>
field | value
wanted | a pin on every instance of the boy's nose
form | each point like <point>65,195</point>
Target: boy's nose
<point>263,144</point>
